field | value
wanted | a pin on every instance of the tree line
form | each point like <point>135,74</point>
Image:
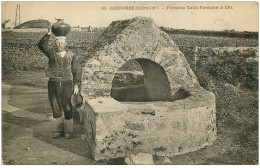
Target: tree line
<point>224,33</point>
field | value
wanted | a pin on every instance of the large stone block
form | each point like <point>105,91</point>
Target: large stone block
<point>140,159</point>
<point>119,129</point>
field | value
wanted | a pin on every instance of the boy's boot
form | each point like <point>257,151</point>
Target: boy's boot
<point>58,127</point>
<point>68,128</point>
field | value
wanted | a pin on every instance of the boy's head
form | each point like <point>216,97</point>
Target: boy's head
<point>60,43</point>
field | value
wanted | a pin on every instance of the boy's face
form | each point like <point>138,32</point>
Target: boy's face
<point>60,45</point>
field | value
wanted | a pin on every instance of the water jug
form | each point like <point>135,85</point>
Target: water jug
<point>60,28</point>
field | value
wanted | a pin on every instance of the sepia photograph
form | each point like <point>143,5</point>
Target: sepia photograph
<point>129,83</point>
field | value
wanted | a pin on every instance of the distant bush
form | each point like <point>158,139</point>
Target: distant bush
<point>39,23</point>
<point>225,33</point>
<point>226,67</point>
<point>208,41</point>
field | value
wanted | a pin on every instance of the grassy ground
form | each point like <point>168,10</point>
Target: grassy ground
<point>26,78</point>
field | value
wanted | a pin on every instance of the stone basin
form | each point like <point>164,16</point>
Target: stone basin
<point>118,129</point>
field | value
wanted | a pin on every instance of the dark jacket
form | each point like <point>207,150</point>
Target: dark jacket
<point>66,68</point>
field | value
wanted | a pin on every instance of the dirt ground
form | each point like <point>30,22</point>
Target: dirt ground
<point>27,131</point>
<point>27,137</point>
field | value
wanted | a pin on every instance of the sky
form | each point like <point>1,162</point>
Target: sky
<point>241,16</point>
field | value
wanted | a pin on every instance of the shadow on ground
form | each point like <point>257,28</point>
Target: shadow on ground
<point>36,101</point>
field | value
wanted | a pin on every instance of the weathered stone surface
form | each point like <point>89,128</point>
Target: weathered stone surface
<point>140,159</point>
<point>117,129</point>
<point>158,126</point>
<point>167,160</point>
<point>137,39</point>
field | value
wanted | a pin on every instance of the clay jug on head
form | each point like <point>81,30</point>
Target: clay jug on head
<point>60,28</point>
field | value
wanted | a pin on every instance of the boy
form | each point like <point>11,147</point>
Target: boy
<point>64,75</point>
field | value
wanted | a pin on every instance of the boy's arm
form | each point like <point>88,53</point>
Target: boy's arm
<point>43,44</point>
<point>76,70</point>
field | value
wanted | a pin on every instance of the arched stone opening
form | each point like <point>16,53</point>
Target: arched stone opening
<point>154,86</point>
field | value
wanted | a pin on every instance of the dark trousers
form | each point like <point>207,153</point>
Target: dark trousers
<point>59,95</point>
